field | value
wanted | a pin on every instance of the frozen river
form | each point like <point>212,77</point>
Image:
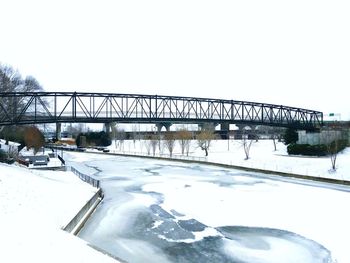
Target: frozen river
<point>158,211</point>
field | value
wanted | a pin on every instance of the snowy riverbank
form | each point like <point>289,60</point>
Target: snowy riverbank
<point>262,156</point>
<point>34,206</point>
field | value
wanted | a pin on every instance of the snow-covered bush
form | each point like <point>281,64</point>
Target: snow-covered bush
<point>4,158</point>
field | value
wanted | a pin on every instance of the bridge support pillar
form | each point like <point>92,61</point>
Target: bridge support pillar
<point>107,128</point>
<point>163,124</point>
<point>246,130</point>
<point>207,126</point>
<point>58,131</point>
<point>225,131</point>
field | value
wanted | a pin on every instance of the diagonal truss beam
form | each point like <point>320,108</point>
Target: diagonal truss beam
<point>32,107</point>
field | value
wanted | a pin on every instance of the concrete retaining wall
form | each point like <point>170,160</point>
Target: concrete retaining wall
<point>77,223</point>
<point>323,137</point>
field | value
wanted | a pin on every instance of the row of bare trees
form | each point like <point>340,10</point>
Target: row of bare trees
<point>168,140</point>
<point>203,140</point>
<point>184,138</point>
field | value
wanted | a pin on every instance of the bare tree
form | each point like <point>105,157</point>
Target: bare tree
<point>30,84</point>
<point>114,128</point>
<point>160,138</point>
<point>154,140</point>
<point>11,81</point>
<point>274,137</point>
<point>118,135</point>
<point>333,149</point>
<point>147,143</point>
<point>246,146</point>
<point>205,137</point>
<point>188,146</point>
<point>247,141</point>
<point>121,136</point>
<point>134,133</point>
<point>169,142</point>
<point>184,136</point>
<point>334,145</point>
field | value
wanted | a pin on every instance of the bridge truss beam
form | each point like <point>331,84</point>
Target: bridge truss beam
<point>65,107</point>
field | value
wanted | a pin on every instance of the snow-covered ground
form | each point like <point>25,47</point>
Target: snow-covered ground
<point>34,206</point>
<point>262,156</point>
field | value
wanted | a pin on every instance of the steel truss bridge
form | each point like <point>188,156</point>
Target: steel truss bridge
<point>68,107</point>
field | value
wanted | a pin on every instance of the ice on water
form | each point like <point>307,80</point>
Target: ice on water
<point>179,213</point>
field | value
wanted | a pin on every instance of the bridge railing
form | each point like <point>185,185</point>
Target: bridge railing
<point>84,177</point>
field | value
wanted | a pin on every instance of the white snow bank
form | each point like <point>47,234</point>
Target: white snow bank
<point>34,205</point>
<point>262,156</point>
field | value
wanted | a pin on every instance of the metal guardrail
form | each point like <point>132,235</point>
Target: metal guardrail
<point>61,159</point>
<point>86,178</point>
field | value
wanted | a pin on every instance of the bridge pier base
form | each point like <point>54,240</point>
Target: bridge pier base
<point>166,125</point>
<point>107,128</point>
<point>245,130</point>
<point>225,131</point>
<point>207,126</point>
<point>58,131</point>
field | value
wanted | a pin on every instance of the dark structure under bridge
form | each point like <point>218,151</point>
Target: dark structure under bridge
<point>67,107</point>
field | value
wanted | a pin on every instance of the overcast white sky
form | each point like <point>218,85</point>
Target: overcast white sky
<point>295,53</point>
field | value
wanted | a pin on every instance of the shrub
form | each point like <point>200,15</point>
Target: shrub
<point>33,138</point>
<point>316,150</point>
<point>290,136</point>
<point>3,156</point>
<point>307,149</point>
<point>94,138</point>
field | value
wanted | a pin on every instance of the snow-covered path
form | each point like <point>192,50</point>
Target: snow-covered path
<point>34,205</point>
